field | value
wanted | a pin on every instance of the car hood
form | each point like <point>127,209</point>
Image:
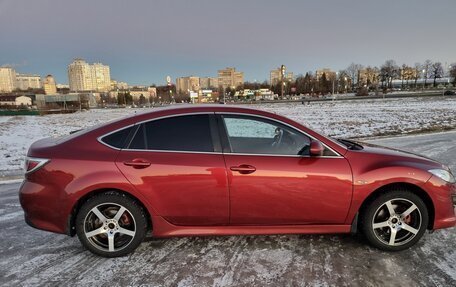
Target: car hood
<point>400,155</point>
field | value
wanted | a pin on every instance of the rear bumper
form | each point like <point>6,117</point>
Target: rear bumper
<point>442,194</point>
<point>42,207</point>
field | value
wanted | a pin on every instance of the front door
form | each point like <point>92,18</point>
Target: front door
<point>274,181</point>
<point>174,163</point>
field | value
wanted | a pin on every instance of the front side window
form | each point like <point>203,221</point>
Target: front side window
<point>260,136</point>
<point>180,133</point>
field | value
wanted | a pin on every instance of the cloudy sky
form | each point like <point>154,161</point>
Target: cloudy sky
<point>144,40</point>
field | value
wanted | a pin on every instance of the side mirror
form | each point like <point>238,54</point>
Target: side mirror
<point>316,148</point>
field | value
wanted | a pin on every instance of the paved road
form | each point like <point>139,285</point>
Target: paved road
<point>31,257</point>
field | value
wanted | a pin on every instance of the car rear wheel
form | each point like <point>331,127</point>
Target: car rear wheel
<point>395,220</point>
<point>111,224</point>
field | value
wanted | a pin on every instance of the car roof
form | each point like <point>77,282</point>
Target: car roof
<point>178,108</point>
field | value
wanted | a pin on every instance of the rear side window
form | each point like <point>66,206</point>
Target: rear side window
<point>118,138</point>
<point>180,133</point>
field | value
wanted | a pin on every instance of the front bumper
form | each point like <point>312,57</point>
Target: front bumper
<point>443,197</point>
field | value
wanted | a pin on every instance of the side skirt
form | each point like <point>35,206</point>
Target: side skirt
<point>162,228</point>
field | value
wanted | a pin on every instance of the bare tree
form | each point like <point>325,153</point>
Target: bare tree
<point>407,74</point>
<point>343,82</point>
<point>453,73</point>
<point>416,72</point>
<point>388,72</point>
<point>353,73</point>
<point>426,70</point>
<point>436,72</point>
<point>369,77</point>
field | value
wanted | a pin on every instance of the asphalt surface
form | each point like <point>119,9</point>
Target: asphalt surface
<point>30,257</point>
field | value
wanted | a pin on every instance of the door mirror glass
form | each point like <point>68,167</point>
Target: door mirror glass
<point>316,148</point>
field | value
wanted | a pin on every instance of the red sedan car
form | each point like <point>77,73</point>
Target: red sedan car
<point>219,170</point>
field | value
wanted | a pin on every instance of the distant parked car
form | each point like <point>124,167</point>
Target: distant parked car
<point>449,93</point>
<point>220,170</point>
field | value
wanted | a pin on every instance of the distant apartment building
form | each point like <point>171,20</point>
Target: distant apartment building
<point>329,74</point>
<point>229,77</point>
<point>13,100</point>
<point>116,85</point>
<point>368,76</point>
<point>101,75</point>
<point>49,85</point>
<point>7,79</point>
<point>27,81</point>
<point>208,82</point>
<point>186,84</point>
<point>62,86</point>
<point>80,76</point>
<point>85,77</point>
<point>275,76</point>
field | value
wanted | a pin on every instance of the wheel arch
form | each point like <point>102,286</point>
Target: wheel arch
<point>421,193</point>
<point>71,221</point>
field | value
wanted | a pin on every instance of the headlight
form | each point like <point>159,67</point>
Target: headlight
<point>443,174</point>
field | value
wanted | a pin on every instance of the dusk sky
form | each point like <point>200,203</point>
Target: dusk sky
<point>144,41</point>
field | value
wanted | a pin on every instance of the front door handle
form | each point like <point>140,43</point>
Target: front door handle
<point>138,163</point>
<point>244,168</point>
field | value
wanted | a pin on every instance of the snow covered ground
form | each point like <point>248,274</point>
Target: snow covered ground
<point>340,118</point>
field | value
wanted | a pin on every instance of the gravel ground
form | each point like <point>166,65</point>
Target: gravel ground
<point>31,257</point>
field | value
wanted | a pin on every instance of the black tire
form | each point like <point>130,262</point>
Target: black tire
<point>128,230</point>
<point>402,231</point>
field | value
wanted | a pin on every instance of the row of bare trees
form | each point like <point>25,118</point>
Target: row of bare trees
<point>356,77</point>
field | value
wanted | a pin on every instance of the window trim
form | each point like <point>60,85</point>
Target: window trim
<point>221,138</point>
<point>100,138</point>
<point>225,136</point>
<point>215,134</point>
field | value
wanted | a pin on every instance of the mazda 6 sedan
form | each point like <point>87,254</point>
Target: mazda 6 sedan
<point>221,170</point>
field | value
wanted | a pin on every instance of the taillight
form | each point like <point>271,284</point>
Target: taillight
<point>33,164</point>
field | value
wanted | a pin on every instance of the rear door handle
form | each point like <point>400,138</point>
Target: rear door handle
<point>138,163</point>
<point>243,168</point>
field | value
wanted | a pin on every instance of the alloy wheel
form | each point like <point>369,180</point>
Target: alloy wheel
<point>397,221</point>
<point>109,227</point>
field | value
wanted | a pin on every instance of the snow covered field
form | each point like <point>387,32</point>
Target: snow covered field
<point>340,118</point>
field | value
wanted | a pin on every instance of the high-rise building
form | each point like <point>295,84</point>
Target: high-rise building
<point>204,82</point>
<point>186,84</point>
<point>49,85</point>
<point>7,79</point>
<point>275,76</point>
<point>230,78</point>
<point>208,82</point>
<point>101,76</point>
<point>27,81</point>
<point>85,77</point>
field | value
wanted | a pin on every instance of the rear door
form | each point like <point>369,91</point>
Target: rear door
<point>274,181</point>
<point>176,162</point>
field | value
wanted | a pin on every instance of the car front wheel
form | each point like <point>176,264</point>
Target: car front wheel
<point>111,224</point>
<point>395,220</point>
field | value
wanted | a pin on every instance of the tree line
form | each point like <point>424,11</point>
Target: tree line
<point>362,79</point>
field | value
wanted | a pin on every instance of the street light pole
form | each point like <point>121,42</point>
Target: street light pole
<point>449,76</point>
<point>425,78</point>
<point>282,74</point>
<point>345,83</point>
<point>337,83</point>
